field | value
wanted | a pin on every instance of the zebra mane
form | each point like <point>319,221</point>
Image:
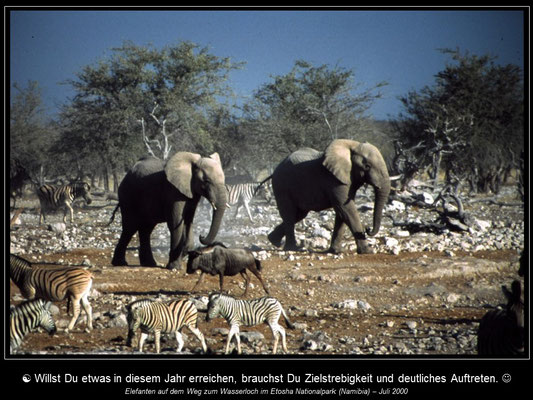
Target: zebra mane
<point>139,303</point>
<point>29,305</point>
<point>220,295</point>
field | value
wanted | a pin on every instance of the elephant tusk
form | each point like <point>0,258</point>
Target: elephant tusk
<point>213,205</point>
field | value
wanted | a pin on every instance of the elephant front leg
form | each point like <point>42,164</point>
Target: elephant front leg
<point>349,215</point>
<point>181,230</point>
<point>178,246</point>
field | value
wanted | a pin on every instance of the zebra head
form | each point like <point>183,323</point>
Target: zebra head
<point>83,189</point>
<point>45,318</point>
<point>134,317</point>
<point>213,307</point>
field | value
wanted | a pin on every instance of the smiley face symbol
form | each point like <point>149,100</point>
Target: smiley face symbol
<point>506,378</point>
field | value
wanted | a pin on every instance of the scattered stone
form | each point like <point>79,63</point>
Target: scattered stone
<point>58,227</point>
<point>411,324</point>
<point>315,275</point>
<point>311,313</point>
<point>452,298</point>
<point>251,337</point>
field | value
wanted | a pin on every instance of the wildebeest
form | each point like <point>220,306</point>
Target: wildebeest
<point>217,259</point>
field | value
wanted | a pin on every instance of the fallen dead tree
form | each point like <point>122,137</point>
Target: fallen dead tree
<point>448,206</point>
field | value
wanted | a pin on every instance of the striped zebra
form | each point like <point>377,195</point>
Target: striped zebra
<point>501,332</point>
<point>248,313</point>
<point>27,317</point>
<point>242,193</point>
<point>158,317</point>
<point>53,197</point>
<point>54,284</point>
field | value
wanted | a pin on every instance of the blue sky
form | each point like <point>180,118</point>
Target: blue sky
<point>51,46</point>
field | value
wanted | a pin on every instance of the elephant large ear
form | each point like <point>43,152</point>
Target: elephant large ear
<point>178,170</point>
<point>216,157</point>
<point>338,159</point>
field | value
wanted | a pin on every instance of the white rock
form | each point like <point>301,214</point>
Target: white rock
<point>363,305</point>
<point>391,242</point>
<point>482,225</point>
<point>401,233</point>
<point>322,232</point>
<point>396,206</point>
<point>58,227</point>
<point>428,198</point>
<point>452,298</point>
<point>348,304</point>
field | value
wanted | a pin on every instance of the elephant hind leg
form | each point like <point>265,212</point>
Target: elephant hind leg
<point>290,217</point>
<point>290,222</point>
<point>277,234</point>
<point>119,256</point>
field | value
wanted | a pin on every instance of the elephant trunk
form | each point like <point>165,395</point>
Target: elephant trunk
<point>381,193</point>
<point>219,203</point>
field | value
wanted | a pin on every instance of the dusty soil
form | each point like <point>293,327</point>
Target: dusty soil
<point>399,289</point>
<point>414,302</point>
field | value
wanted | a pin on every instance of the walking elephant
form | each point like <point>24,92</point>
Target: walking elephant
<point>153,192</point>
<point>309,180</point>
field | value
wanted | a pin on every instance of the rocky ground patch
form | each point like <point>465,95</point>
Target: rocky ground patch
<point>420,293</point>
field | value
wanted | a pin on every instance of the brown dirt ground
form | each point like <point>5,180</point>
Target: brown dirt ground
<point>394,285</point>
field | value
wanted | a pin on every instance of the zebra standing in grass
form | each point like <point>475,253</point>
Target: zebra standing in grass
<point>501,332</point>
<point>241,194</point>
<point>158,317</point>
<point>54,284</point>
<point>28,316</point>
<point>53,197</point>
<point>248,313</point>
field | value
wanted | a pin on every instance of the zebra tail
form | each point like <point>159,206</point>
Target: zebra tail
<point>261,184</point>
<point>113,215</point>
<point>287,321</point>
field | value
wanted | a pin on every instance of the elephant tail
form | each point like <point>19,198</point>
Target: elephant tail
<point>113,215</point>
<point>261,184</point>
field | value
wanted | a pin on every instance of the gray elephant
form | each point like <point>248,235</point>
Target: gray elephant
<point>309,180</point>
<point>153,192</point>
